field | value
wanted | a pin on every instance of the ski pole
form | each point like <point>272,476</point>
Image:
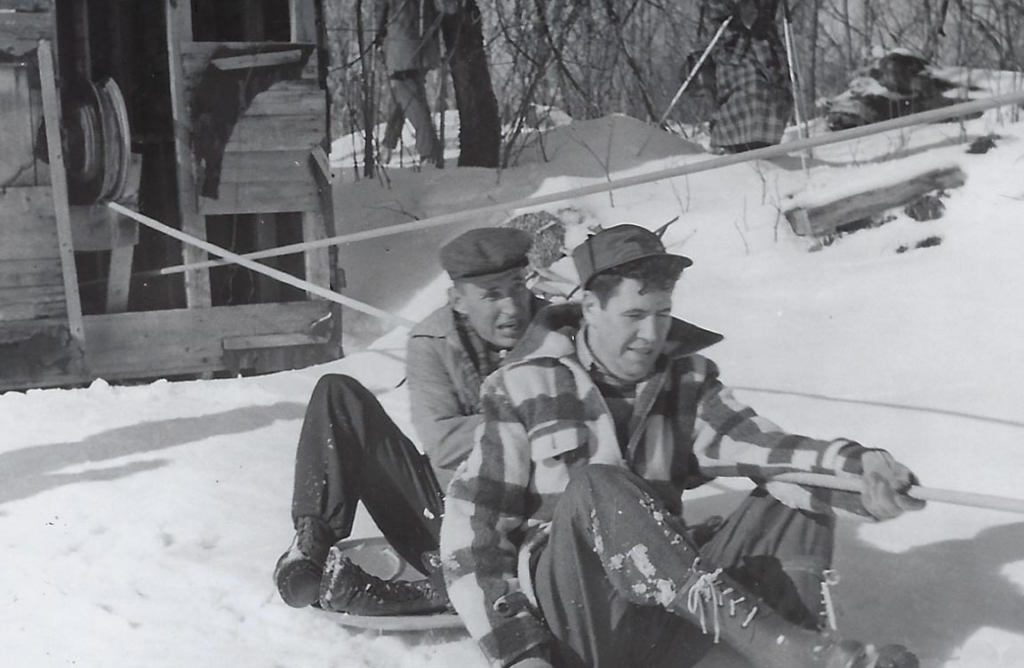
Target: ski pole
<point>695,70</point>
<point>794,81</point>
<point>1004,503</point>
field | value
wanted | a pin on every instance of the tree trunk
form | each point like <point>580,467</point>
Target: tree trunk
<point>812,83</point>
<point>480,124</point>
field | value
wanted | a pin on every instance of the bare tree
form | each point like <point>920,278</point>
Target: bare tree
<point>479,123</point>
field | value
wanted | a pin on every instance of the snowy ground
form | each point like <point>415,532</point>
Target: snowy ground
<point>139,525</point>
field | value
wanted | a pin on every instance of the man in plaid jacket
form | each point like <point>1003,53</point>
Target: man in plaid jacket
<point>562,541</point>
<point>752,93</point>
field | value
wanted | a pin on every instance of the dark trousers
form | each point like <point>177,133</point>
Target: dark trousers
<point>351,451</point>
<point>607,574</point>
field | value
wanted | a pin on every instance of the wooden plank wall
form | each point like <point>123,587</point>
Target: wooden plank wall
<point>183,341</point>
<point>266,165</point>
<point>36,347</point>
<point>31,283</point>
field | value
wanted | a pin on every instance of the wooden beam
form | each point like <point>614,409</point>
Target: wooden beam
<point>268,197</point>
<point>266,237</point>
<point>705,165</point>
<point>196,56</point>
<point>316,224</point>
<point>271,341</point>
<point>277,133</point>
<point>119,278</point>
<point>265,166</point>
<point>317,260</point>
<point>297,97</point>
<point>263,269</point>
<point>303,19</point>
<point>187,341</point>
<point>823,218</point>
<point>179,29</point>
<point>253,60</point>
<point>59,184</point>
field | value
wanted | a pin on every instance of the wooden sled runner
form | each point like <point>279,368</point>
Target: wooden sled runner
<point>376,557</point>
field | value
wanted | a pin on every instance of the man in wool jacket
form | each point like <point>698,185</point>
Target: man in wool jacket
<point>562,542</point>
<point>351,452</point>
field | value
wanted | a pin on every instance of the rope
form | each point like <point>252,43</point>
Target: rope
<point>705,589</point>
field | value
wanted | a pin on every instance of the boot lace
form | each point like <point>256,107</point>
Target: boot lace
<point>706,598</point>
<point>704,594</point>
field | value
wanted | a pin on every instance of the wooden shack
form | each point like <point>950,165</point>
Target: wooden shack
<point>211,116</point>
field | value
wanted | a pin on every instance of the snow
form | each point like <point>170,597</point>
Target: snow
<point>140,524</point>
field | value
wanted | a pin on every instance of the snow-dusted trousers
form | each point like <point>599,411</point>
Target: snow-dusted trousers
<point>609,535</point>
<point>349,451</point>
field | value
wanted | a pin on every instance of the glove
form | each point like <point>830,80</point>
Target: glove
<point>885,483</point>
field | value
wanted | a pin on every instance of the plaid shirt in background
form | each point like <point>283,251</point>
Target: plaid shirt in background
<point>753,95</point>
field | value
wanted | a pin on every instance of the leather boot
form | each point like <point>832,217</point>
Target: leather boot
<point>298,571</point>
<point>346,587</point>
<point>726,609</point>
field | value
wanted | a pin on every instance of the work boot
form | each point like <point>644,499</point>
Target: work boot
<point>346,587</point>
<point>726,609</point>
<point>299,570</point>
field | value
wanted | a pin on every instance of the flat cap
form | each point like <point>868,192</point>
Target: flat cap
<point>616,246</point>
<point>485,252</point>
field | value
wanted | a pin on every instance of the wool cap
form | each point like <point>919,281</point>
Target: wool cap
<point>616,246</point>
<point>485,252</point>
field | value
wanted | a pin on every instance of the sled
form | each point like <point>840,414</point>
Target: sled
<point>377,557</point>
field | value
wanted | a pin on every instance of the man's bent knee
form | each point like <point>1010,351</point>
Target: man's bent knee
<point>603,482</point>
<point>339,385</point>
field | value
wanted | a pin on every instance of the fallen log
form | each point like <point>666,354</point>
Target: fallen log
<point>823,215</point>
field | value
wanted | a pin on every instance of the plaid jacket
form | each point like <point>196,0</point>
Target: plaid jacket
<point>753,94</point>
<point>544,416</point>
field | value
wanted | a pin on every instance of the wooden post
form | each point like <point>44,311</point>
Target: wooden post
<point>303,20</point>
<point>119,279</point>
<point>314,223</point>
<point>59,184</point>
<point>266,237</point>
<point>179,28</point>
